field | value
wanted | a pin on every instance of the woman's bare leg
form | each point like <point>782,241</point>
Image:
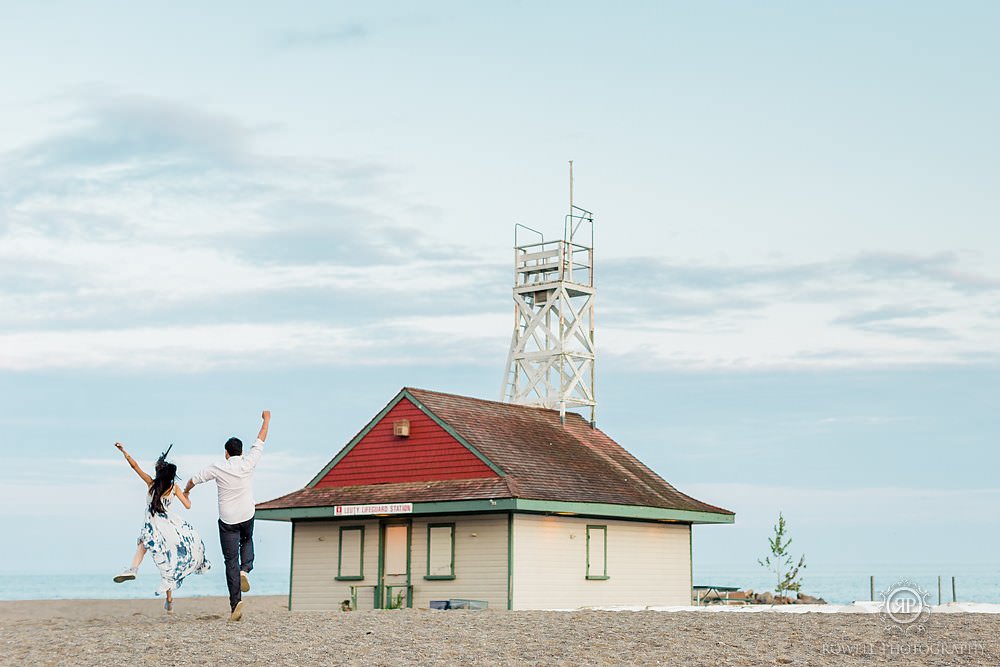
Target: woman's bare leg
<point>170,601</point>
<point>140,553</point>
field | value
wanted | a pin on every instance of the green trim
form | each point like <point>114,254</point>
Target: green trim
<point>603,575</point>
<point>409,576</point>
<point>598,510</point>
<point>453,433</point>
<point>340,555</point>
<point>291,568</point>
<point>433,577</point>
<point>510,561</point>
<point>381,564</point>
<point>378,418</point>
<point>691,557</point>
<point>623,511</point>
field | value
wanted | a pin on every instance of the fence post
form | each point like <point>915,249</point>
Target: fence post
<point>939,590</point>
<point>954,598</point>
<point>872,586</point>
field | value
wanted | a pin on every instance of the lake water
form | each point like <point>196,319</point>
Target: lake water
<point>844,585</point>
<point>973,583</point>
<point>100,586</point>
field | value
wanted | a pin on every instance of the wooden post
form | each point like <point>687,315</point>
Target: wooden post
<point>872,584</point>
<point>939,590</point>
<point>954,598</point>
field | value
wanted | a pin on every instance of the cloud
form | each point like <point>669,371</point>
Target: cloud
<point>943,268</point>
<point>344,34</point>
<point>139,204</point>
<point>887,313</point>
<point>122,133</point>
<point>146,234</point>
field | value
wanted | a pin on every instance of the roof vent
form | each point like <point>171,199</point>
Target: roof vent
<point>401,428</point>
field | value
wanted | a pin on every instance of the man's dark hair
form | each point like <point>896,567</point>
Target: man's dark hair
<point>234,446</point>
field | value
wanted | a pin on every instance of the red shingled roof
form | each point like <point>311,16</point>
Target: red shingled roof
<point>541,458</point>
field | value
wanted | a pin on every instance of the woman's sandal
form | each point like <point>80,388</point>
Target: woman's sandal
<point>168,605</point>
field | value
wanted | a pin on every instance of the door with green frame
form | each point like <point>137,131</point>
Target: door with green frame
<point>395,590</point>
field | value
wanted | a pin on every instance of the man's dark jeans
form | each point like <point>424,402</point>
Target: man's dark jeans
<point>237,550</point>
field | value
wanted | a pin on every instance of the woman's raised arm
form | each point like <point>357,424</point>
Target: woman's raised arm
<point>135,466</point>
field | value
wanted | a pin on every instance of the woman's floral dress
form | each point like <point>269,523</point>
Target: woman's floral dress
<point>175,546</point>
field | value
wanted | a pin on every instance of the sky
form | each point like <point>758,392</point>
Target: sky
<point>206,211</point>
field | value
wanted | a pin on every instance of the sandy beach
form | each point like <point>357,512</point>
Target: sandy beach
<point>122,632</point>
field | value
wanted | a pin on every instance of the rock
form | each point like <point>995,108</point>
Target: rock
<point>802,598</point>
<point>764,598</point>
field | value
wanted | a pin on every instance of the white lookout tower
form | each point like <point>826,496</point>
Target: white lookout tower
<point>551,359</point>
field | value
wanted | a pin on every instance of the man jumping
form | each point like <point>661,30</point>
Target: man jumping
<point>233,478</point>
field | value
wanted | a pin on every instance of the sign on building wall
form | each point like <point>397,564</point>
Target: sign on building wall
<point>385,508</point>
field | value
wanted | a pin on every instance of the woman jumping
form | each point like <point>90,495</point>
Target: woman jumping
<point>177,549</point>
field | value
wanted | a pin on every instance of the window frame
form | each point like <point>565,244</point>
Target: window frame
<point>427,569</point>
<point>604,576</point>
<point>340,555</point>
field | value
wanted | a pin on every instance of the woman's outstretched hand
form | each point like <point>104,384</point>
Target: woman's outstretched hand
<point>135,466</point>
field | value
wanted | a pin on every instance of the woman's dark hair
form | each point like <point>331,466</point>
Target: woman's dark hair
<point>166,473</point>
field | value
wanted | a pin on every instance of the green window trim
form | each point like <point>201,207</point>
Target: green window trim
<point>604,574</point>
<point>340,555</point>
<point>440,577</point>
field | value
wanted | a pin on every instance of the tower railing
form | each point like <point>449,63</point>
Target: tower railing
<point>553,261</point>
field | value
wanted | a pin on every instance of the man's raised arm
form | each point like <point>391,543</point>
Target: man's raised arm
<point>253,455</point>
<point>266,416</point>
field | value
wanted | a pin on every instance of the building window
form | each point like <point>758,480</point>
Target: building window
<point>440,551</point>
<point>597,552</point>
<point>351,554</point>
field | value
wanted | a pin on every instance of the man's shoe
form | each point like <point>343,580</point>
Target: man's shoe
<point>244,582</point>
<point>237,612</point>
<point>127,575</point>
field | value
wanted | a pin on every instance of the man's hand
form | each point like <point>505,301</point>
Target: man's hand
<point>188,487</point>
<point>121,447</point>
<point>266,415</point>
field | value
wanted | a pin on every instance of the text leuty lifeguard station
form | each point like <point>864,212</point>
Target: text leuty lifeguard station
<point>522,504</point>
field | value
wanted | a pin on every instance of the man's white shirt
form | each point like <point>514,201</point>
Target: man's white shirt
<point>234,478</point>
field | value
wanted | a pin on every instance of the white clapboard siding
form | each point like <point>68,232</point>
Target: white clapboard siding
<point>314,565</point>
<point>647,563</point>
<point>480,561</point>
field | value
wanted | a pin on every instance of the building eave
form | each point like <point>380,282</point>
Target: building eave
<point>561,508</point>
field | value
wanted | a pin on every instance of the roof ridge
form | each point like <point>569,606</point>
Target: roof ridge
<point>492,402</point>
